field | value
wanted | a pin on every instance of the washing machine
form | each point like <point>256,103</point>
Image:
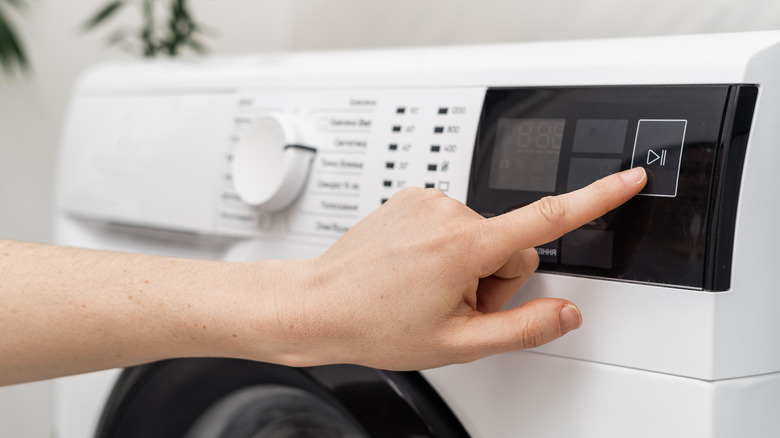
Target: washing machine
<point>276,156</point>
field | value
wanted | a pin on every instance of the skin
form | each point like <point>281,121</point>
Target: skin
<point>419,283</point>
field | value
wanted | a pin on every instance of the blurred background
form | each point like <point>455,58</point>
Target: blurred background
<point>57,48</point>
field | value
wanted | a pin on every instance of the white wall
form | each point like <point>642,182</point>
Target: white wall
<point>350,23</point>
<point>32,108</point>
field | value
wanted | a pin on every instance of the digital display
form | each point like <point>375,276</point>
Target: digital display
<point>526,154</point>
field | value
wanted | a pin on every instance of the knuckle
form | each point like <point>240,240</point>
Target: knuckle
<point>417,194</point>
<point>552,210</point>
<point>531,334</point>
<point>409,191</point>
<point>602,189</point>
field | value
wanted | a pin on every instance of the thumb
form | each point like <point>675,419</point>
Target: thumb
<point>533,324</point>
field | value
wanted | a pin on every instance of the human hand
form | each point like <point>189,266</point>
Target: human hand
<point>421,282</point>
<point>418,284</point>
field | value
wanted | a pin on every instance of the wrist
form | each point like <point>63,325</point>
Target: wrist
<point>251,311</point>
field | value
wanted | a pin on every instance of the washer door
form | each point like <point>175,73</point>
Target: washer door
<point>221,398</point>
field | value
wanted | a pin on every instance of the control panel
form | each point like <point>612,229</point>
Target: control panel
<point>363,146</point>
<point>535,142</point>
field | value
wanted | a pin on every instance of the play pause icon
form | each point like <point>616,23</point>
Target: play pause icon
<point>652,157</point>
<point>658,147</point>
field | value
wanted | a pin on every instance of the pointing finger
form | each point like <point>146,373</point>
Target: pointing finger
<point>551,217</point>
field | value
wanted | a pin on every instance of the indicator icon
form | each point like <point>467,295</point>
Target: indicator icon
<point>652,157</point>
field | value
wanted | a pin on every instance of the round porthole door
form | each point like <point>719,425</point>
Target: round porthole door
<point>230,398</point>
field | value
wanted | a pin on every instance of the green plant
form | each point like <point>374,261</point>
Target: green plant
<point>166,35</point>
<point>11,51</point>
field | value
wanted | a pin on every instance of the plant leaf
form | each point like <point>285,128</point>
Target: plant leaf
<point>154,37</point>
<point>11,51</point>
<point>118,36</point>
<point>103,14</point>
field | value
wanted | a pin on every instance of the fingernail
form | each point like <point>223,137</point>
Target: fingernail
<point>569,318</point>
<point>634,175</point>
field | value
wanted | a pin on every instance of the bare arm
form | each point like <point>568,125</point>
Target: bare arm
<point>418,284</point>
<point>66,310</point>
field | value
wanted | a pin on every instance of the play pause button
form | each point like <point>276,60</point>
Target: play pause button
<point>658,148</point>
<point>652,157</point>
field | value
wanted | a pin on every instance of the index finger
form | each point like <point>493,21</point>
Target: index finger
<point>550,218</point>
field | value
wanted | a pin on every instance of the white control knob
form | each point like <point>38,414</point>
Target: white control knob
<point>271,163</point>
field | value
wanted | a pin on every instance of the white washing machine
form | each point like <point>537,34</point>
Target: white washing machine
<point>277,156</point>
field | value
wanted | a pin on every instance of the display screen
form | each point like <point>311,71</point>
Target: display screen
<point>539,141</point>
<point>526,154</point>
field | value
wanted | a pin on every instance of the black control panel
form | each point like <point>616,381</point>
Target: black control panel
<point>536,142</point>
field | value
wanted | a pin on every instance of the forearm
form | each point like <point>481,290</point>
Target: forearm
<point>66,311</point>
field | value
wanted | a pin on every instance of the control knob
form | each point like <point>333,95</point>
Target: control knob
<point>271,163</point>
